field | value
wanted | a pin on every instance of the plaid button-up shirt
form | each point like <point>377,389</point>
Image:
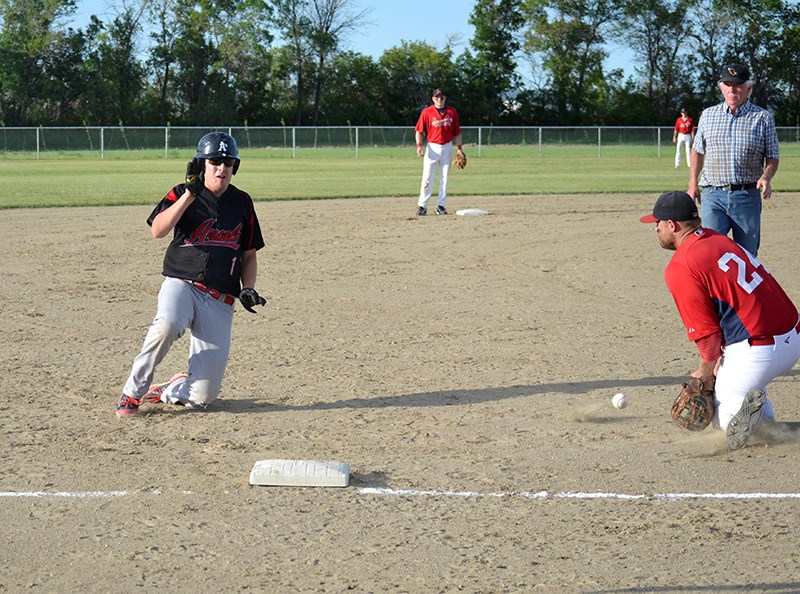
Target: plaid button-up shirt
<point>735,145</point>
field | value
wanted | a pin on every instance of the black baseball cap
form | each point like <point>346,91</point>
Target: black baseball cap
<point>737,74</point>
<point>438,91</point>
<point>672,206</point>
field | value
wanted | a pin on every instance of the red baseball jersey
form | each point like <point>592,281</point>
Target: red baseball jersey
<point>717,285</point>
<point>684,126</point>
<point>440,128</point>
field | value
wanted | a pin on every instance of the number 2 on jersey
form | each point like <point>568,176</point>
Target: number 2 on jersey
<point>741,270</point>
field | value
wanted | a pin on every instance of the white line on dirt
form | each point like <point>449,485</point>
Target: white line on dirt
<point>66,494</point>
<point>574,495</point>
<point>439,493</point>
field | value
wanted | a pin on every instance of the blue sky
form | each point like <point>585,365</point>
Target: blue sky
<point>392,21</point>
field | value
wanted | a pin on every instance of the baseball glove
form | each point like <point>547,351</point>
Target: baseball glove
<point>194,179</point>
<point>249,298</point>
<point>693,409</point>
<point>461,160</point>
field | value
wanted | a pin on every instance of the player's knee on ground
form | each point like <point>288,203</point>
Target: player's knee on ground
<point>202,392</point>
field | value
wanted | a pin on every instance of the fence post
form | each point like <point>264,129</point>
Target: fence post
<point>356,142</point>
<point>659,142</point>
<point>540,141</point>
<point>37,143</point>
<point>598,142</point>
<point>294,142</point>
<point>102,143</point>
<point>166,141</point>
<point>480,140</point>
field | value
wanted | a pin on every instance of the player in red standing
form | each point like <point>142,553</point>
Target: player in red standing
<point>683,135</point>
<point>744,325</point>
<point>441,127</point>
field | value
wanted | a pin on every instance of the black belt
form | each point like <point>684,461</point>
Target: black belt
<point>735,187</point>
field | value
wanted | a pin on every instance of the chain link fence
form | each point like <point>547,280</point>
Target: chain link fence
<point>292,142</point>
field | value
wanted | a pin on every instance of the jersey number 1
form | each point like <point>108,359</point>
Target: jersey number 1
<point>233,265</point>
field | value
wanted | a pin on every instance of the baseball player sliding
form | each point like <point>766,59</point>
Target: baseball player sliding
<point>440,125</point>
<point>212,255</point>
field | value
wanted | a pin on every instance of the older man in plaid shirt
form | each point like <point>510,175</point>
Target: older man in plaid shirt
<point>736,148</point>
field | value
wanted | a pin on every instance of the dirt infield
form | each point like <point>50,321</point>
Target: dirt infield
<point>462,366</point>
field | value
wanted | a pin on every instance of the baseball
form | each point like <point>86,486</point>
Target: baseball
<point>619,400</point>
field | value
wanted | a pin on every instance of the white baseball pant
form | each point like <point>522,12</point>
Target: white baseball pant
<point>686,141</point>
<point>745,366</point>
<point>182,307</point>
<point>437,156</point>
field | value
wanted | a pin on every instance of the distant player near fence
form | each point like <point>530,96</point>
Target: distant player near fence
<point>682,137</point>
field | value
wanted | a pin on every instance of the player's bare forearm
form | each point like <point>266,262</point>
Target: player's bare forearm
<point>418,138</point>
<point>707,368</point>
<point>165,221</point>
<point>249,269</point>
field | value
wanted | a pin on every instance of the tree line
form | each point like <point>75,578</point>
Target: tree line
<point>289,62</point>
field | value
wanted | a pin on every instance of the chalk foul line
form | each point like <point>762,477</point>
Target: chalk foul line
<point>75,494</point>
<point>532,495</point>
<point>573,494</point>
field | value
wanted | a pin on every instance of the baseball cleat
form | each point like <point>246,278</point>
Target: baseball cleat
<point>153,396</point>
<point>739,428</point>
<point>440,210</point>
<point>422,211</point>
<point>127,405</point>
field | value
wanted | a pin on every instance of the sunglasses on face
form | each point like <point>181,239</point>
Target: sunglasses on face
<point>227,161</point>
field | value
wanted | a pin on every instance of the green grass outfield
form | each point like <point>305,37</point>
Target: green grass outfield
<point>143,177</point>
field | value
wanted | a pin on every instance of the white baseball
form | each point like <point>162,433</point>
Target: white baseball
<point>619,400</point>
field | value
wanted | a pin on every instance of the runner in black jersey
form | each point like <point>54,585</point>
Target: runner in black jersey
<point>209,264</point>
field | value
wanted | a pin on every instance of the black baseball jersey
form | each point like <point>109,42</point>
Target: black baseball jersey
<point>209,238</point>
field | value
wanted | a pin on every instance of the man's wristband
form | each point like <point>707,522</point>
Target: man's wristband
<point>459,147</point>
<point>419,144</point>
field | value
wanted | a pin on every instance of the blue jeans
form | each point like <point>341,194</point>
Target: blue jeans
<point>738,211</point>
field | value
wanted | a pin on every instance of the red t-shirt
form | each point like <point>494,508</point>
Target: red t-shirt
<point>717,285</point>
<point>684,126</point>
<point>439,128</point>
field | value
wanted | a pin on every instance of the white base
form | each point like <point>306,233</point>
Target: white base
<point>472,212</point>
<point>300,473</point>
